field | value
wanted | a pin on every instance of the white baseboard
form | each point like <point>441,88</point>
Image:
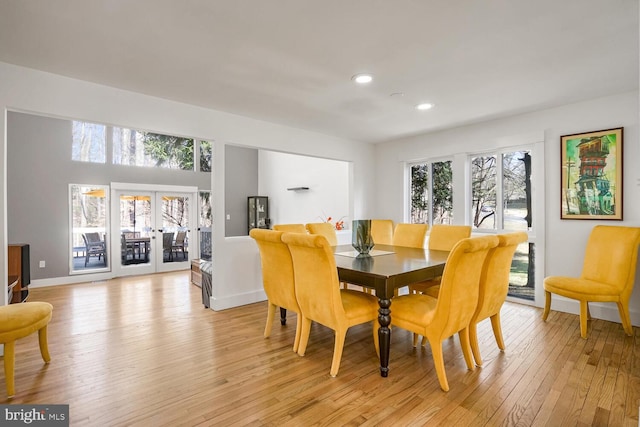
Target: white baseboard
<point>231,301</point>
<point>68,280</point>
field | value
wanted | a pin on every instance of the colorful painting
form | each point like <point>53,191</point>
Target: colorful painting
<point>592,175</point>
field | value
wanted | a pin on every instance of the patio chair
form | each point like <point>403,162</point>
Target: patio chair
<point>167,245</point>
<point>179,244</point>
<point>95,247</point>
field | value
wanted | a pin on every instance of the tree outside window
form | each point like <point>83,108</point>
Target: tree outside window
<point>432,193</point>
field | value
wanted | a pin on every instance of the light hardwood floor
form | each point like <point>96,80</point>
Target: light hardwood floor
<point>143,351</point>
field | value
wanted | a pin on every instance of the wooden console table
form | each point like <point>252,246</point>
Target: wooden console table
<point>196,274</point>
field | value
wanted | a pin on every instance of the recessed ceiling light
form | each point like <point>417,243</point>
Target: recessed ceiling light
<point>362,78</point>
<point>424,106</point>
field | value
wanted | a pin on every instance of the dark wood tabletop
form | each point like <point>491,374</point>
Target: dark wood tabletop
<point>387,269</point>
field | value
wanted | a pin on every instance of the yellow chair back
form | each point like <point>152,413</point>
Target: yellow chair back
<point>277,276</point>
<point>382,231</point>
<point>290,228</point>
<point>319,295</point>
<point>459,287</point>
<point>324,229</point>
<point>410,235</point>
<point>444,237</point>
<point>611,257</point>
<point>494,282</point>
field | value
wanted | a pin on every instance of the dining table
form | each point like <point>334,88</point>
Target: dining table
<point>386,269</point>
<point>140,246</point>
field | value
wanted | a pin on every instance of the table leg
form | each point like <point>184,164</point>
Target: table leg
<point>384,335</point>
<point>283,316</point>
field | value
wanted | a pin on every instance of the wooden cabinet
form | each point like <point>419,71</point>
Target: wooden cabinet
<point>258,212</point>
<point>196,274</point>
<point>19,265</point>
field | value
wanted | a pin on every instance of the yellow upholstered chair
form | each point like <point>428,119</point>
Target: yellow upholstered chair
<point>319,295</point>
<point>290,228</point>
<point>277,277</point>
<point>439,318</point>
<point>494,286</point>
<point>324,229</point>
<point>18,321</point>
<point>410,235</point>
<point>441,238</point>
<point>608,274</point>
<point>382,231</point>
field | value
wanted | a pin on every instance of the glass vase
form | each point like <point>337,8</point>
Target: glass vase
<point>361,238</point>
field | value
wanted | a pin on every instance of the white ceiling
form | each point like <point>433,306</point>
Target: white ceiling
<point>291,61</point>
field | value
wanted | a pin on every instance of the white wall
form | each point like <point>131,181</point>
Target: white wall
<point>327,180</point>
<point>564,239</point>
<point>236,264</point>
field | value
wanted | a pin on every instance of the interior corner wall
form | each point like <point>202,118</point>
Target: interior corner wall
<point>564,240</point>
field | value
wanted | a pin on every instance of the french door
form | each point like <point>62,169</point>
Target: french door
<point>153,228</point>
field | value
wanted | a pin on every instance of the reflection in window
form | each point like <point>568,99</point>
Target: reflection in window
<point>205,156</point>
<point>483,192</point>
<point>432,193</point>
<point>89,225</point>
<point>516,190</point>
<point>136,148</point>
<point>205,223</point>
<point>521,276</point>
<point>501,201</point>
<point>89,143</point>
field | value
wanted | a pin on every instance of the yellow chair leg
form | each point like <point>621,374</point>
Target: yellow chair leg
<point>497,330</point>
<point>44,347</point>
<point>547,305</point>
<point>376,339</point>
<point>9,364</point>
<point>304,335</point>
<point>337,351</point>
<point>296,341</point>
<point>415,339</point>
<point>438,361</point>
<point>271,312</point>
<point>623,308</point>
<point>475,348</point>
<point>466,348</point>
<point>584,315</point>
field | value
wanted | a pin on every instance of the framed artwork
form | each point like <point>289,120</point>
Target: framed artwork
<point>591,178</point>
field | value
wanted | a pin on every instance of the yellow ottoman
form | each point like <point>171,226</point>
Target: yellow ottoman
<point>18,321</point>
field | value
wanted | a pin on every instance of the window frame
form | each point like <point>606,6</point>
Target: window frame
<point>429,162</point>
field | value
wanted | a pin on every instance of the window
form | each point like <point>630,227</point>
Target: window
<point>89,225</point>
<point>205,156</point>
<point>501,201</point>
<point>136,148</point>
<point>501,191</point>
<point>89,144</point>
<point>205,224</point>
<point>432,193</point>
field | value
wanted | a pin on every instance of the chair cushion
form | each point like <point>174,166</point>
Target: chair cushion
<point>19,320</point>
<point>414,309</point>
<point>358,305</point>
<point>581,289</point>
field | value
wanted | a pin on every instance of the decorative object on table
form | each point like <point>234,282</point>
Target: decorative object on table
<point>361,238</point>
<point>591,178</point>
<point>338,225</point>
